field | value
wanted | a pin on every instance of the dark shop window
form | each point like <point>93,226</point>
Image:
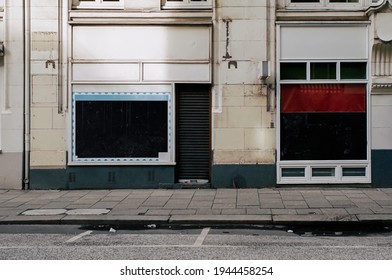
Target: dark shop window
<point>121,128</point>
<point>323,122</point>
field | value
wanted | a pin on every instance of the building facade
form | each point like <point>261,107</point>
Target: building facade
<point>186,93</point>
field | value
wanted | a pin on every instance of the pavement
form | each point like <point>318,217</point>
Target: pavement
<point>155,207</point>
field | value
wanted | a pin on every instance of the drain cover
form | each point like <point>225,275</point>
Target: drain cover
<point>44,212</point>
<point>88,211</point>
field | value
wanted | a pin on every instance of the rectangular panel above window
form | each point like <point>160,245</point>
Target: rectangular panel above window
<point>98,4</point>
<point>122,127</point>
<point>313,42</point>
<point>187,4</point>
<point>142,43</point>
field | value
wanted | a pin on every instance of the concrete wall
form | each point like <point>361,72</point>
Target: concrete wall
<point>243,128</point>
<point>48,134</point>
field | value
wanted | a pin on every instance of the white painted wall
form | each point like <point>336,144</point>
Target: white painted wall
<point>381,121</point>
<point>11,96</point>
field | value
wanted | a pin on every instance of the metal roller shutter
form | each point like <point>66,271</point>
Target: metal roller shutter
<point>193,132</point>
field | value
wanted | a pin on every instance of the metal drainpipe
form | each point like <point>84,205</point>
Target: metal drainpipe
<point>26,91</point>
<point>60,105</point>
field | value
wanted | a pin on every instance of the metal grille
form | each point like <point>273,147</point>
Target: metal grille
<point>193,132</point>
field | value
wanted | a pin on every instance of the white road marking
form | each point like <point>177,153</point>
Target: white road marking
<point>200,239</point>
<point>73,239</point>
<point>188,246</point>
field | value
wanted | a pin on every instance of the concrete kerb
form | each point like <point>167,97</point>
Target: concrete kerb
<point>206,220</point>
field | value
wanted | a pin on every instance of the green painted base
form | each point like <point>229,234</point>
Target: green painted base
<point>223,176</point>
<point>382,168</point>
<point>244,176</point>
<point>102,177</point>
<point>134,177</point>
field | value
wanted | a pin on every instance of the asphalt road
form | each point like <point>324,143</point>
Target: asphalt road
<point>42,242</point>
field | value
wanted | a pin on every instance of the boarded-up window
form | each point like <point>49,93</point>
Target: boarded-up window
<point>128,127</point>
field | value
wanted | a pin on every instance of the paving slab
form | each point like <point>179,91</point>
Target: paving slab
<point>258,211</point>
<point>177,203</point>
<point>234,211</point>
<point>384,202</point>
<point>207,211</point>
<point>309,211</point>
<point>375,218</point>
<point>382,210</point>
<point>319,203</point>
<point>155,212</point>
<point>295,204</point>
<point>122,211</point>
<point>284,211</point>
<point>272,205</point>
<point>200,204</point>
<point>220,206</point>
<point>356,211</point>
<point>301,219</point>
<point>11,211</point>
<point>183,212</point>
<point>334,211</point>
<point>223,206</point>
<point>58,204</point>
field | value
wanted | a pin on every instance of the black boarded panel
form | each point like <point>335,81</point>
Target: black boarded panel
<point>121,129</point>
<point>323,136</point>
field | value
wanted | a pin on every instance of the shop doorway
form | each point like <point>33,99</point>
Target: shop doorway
<point>193,131</point>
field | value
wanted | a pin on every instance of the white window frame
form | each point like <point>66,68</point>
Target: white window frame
<point>337,165</point>
<point>187,4</point>
<point>98,4</point>
<point>328,4</point>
